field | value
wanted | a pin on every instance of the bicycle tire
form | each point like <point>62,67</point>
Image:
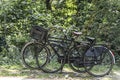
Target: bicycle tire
<point>53,63</point>
<point>30,57</point>
<point>77,65</point>
<point>102,60</point>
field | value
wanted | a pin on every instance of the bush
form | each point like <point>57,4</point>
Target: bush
<point>97,18</point>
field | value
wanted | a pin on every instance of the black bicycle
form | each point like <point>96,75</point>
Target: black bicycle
<point>83,56</point>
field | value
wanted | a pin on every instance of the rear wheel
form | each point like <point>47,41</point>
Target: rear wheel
<point>101,59</point>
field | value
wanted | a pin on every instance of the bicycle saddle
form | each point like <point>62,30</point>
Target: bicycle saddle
<point>77,33</point>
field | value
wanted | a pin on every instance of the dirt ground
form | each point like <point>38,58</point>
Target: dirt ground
<point>38,75</point>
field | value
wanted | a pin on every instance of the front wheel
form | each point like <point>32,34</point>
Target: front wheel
<point>33,52</point>
<point>75,59</point>
<point>100,58</point>
<point>55,60</point>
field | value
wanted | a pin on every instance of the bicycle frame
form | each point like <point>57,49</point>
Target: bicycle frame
<point>67,45</point>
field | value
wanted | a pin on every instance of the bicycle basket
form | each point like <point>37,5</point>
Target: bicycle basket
<point>39,33</point>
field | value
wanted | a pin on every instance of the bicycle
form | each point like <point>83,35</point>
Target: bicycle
<point>67,51</point>
<point>92,56</point>
<point>35,54</point>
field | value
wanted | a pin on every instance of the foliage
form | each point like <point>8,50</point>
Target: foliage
<point>97,18</point>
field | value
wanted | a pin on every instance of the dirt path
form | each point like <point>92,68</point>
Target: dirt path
<point>65,76</point>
